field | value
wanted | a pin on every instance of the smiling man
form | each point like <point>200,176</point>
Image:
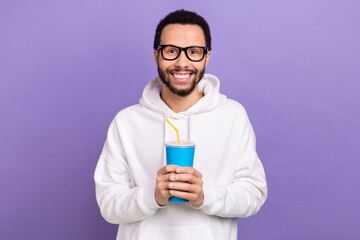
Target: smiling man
<point>180,75</point>
<point>133,182</point>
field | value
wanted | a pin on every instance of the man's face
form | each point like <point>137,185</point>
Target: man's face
<point>181,75</point>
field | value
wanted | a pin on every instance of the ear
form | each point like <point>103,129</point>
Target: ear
<point>156,57</point>
<point>207,57</point>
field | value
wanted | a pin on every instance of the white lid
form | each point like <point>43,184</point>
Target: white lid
<point>180,144</point>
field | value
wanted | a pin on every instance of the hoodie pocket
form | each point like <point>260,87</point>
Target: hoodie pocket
<point>177,233</point>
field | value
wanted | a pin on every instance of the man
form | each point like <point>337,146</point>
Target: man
<point>133,183</point>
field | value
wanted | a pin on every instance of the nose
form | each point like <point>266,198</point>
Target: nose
<point>182,61</point>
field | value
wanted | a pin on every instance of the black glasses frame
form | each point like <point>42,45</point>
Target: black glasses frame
<point>161,47</point>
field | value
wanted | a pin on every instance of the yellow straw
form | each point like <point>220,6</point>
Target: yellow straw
<point>177,132</point>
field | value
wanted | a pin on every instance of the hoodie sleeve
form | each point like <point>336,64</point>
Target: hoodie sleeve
<point>247,192</point>
<point>118,200</point>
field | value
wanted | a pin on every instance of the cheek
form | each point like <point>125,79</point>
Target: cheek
<point>163,65</point>
<point>200,66</point>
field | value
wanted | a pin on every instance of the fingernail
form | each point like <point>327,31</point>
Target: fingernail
<point>178,169</point>
<point>172,177</point>
<point>171,185</point>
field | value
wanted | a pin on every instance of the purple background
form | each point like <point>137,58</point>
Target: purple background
<point>67,67</point>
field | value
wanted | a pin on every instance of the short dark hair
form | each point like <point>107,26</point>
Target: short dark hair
<point>183,17</point>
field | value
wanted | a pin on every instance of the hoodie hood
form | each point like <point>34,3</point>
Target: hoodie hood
<point>209,85</point>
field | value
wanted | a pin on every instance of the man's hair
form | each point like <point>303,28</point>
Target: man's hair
<point>183,17</point>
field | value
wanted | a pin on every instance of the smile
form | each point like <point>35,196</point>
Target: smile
<point>181,77</point>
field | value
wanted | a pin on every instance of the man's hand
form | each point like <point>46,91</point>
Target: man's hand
<point>162,192</point>
<point>182,182</point>
<point>187,183</point>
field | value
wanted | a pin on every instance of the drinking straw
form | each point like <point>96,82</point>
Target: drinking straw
<point>177,132</point>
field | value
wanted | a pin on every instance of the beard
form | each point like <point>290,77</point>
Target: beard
<point>180,92</point>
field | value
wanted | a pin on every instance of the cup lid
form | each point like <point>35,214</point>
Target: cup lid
<point>180,144</point>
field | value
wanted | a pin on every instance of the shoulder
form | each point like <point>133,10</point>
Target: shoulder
<point>234,107</point>
<point>235,113</point>
<point>124,118</point>
<point>135,116</point>
<point>237,116</point>
<point>128,113</point>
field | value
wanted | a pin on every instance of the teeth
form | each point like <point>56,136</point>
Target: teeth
<point>181,76</point>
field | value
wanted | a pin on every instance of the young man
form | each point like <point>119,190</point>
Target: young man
<point>133,182</point>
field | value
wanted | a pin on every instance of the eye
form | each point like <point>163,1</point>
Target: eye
<point>195,51</point>
<point>171,50</point>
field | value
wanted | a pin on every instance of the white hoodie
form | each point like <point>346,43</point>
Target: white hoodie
<point>234,182</point>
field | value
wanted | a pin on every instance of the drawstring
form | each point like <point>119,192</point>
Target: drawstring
<point>166,116</point>
<point>190,125</point>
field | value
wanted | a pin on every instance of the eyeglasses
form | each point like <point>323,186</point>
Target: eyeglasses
<point>193,53</point>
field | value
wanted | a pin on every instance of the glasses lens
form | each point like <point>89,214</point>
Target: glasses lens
<point>195,53</point>
<point>170,52</point>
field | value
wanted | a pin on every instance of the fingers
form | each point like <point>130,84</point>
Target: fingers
<point>195,199</point>
<point>188,170</point>
<point>174,168</point>
<point>163,178</point>
<point>162,193</point>
<point>175,173</point>
<point>182,182</point>
<point>167,169</point>
<point>189,178</point>
<point>185,187</point>
<point>192,197</point>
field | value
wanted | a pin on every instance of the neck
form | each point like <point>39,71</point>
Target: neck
<point>178,103</point>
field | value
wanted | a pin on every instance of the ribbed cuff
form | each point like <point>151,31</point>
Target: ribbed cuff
<point>147,199</point>
<point>210,197</point>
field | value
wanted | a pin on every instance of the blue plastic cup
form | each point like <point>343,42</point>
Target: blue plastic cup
<point>181,154</point>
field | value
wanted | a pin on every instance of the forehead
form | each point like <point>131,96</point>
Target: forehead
<point>183,35</point>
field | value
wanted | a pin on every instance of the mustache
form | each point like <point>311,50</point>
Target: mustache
<point>174,70</point>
